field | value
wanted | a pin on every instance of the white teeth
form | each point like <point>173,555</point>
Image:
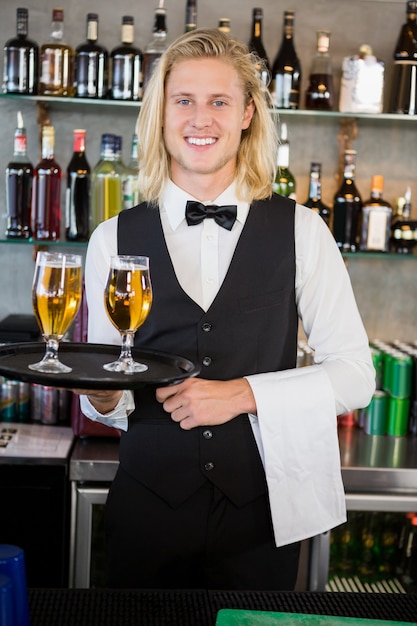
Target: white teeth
<point>201,141</point>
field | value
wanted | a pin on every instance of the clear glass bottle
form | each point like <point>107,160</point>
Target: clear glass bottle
<point>106,184</point>
<point>19,177</point>
<point>46,191</point>
<point>77,198</point>
<point>320,91</point>
<point>347,207</point>
<point>376,219</point>
<point>403,94</point>
<point>314,200</point>
<point>190,15</point>
<point>130,183</point>
<point>403,237</point>
<point>21,59</point>
<point>91,64</point>
<point>256,44</point>
<point>126,65</point>
<point>286,69</point>
<point>56,61</point>
<point>284,183</point>
<point>157,45</point>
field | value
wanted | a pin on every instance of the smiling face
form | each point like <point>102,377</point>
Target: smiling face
<point>205,114</point>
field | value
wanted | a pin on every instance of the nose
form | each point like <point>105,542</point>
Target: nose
<point>202,116</point>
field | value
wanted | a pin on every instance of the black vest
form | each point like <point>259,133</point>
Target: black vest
<point>251,327</point>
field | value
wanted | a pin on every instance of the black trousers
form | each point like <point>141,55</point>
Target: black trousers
<point>206,543</point>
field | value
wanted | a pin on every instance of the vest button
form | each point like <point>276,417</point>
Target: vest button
<point>209,466</point>
<point>206,361</point>
<point>206,327</point>
<point>207,434</point>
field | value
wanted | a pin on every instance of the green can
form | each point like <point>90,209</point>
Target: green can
<point>400,373</point>
<point>398,416</point>
<point>378,361</point>
<point>376,420</point>
<point>386,374</point>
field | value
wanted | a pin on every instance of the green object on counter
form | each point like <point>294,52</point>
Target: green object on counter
<point>232,617</point>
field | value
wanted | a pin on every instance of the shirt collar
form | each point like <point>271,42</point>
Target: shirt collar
<point>174,200</point>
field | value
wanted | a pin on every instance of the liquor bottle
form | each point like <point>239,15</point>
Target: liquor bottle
<point>46,191</point>
<point>403,238</point>
<point>126,65</point>
<point>91,64</point>
<point>224,25</point>
<point>347,207</point>
<point>21,59</point>
<point>19,177</point>
<point>314,200</point>
<point>56,61</point>
<point>106,184</point>
<point>410,557</point>
<point>157,45</point>
<point>320,91</point>
<point>376,219</point>
<point>190,15</point>
<point>284,183</point>
<point>286,69</point>
<point>256,44</point>
<point>403,96</point>
<point>77,198</point>
<point>130,183</point>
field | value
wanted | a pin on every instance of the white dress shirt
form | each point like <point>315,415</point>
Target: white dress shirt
<point>295,427</point>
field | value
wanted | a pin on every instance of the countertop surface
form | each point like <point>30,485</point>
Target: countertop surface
<point>370,463</point>
<point>106,607</point>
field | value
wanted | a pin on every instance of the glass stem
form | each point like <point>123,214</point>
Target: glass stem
<point>127,344</point>
<point>51,353</point>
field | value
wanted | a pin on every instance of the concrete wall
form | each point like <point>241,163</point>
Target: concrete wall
<point>385,288</point>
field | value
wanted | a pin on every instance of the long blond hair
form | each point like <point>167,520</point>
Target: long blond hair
<point>256,158</point>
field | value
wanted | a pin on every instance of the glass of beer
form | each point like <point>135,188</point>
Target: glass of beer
<point>128,300</point>
<point>56,298</point>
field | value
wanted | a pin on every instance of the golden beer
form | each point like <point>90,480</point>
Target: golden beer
<point>56,298</point>
<point>128,298</point>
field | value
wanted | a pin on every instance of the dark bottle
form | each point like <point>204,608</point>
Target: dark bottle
<point>91,64</point>
<point>314,201</point>
<point>286,69</point>
<point>56,61</point>
<point>19,177</point>
<point>347,207</point>
<point>256,45</point>
<point>157,45</point>
<point>46,191</point>
<point>224,25</point>
<point>320,91</point>
<point>403,236</point>
<point>190,15</point>
<point>403,95</point>
<point>126,65</point>
<point>21,60</point>
<point>376,219</point>
<point>77,198</point>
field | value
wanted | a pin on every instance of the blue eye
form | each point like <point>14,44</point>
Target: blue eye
<point>184,101</point>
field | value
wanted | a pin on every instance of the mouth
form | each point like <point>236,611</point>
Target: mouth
<point>201,141</point>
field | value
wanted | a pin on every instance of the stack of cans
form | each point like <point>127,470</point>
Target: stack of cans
<point>25,402</point>
<point>392,408</point>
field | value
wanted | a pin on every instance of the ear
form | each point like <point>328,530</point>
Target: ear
<point>248,114</point>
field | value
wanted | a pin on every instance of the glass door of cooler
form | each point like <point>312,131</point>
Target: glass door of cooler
<point>374,551</point>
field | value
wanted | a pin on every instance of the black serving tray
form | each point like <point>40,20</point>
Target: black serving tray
<point>87,360</point>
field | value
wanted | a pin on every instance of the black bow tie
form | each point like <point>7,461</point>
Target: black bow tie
<point>196,212</point>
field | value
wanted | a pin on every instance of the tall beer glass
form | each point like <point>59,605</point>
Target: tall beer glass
<point>56,298</point>
<point>128,300</point>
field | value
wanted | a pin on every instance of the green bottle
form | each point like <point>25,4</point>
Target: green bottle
<point>284,183</point>
<point>106,184</point>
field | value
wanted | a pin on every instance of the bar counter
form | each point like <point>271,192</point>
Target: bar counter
<point>79,607</point>
<point>370,463</point>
